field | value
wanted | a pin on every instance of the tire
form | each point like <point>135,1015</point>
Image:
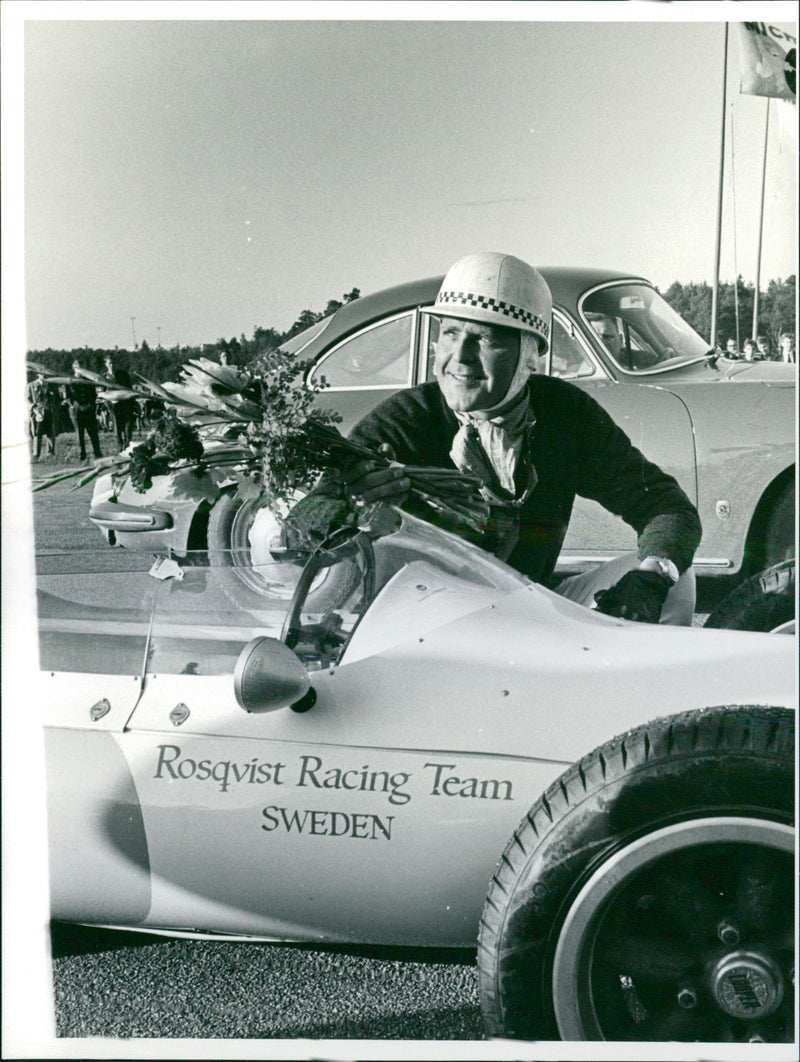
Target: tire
<point>239,536</point>
<point>765,602</point>
<point>649,894</point>
<point>780,529</point>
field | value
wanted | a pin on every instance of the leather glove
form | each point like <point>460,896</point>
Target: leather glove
<point>639,595</point>
<point>372,481</point>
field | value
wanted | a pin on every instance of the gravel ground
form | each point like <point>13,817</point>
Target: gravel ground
<point>123,985</point>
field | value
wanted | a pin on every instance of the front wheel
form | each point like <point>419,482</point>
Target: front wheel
<point>765,602</point>
<point>649,894</point>
<point>241,540</point>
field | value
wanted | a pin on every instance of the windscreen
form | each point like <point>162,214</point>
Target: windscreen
<point>639,329</point>
<point>130,614</point>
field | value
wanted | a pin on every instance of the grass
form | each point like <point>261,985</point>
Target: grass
<point>68,451</point>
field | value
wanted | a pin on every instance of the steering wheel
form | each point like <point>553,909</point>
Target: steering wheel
<point>342,544</point>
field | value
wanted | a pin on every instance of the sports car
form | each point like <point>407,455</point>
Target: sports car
<point>725,429</point>
<point>453,756</point>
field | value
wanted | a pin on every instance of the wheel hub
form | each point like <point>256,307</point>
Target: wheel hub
<point>747,984</point>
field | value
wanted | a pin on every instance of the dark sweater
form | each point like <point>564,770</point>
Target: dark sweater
<point>576,448</point>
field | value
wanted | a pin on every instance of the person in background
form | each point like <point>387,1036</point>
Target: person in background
<point>43,410</point>
<point>534,442</point>
<point>787,347</point>
<point>124,409</point>
<point>732,351</point>
<point>764,348</point>
<point>82,395</point>
<point>606,329</point>
<point>750,351</point>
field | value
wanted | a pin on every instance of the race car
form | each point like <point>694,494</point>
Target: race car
<point>455,756</point>
<point>725,429</point>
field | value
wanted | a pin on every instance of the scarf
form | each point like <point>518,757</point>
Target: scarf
<point>497,451</point>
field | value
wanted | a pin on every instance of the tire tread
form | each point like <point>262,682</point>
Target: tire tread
<point>745,731</point>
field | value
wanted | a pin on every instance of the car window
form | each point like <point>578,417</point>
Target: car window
<point>639,330</point>
<point>568,358</point>
<point>380,356</point>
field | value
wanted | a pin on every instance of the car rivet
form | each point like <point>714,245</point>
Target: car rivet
<point>728,933</point>
<point>722,510</point>
<point>97,711</point>
<point>179,714</point>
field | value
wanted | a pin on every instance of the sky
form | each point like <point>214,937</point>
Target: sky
<point>205,177</point>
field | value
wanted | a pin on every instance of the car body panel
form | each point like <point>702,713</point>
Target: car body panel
<point>725,429</point>
<point>378,815</point>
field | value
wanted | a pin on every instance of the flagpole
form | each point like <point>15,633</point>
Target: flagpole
<point>760,225</point>
<point>715,288</point>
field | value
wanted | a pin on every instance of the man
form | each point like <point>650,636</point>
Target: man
<point>607,331</point>
<point>787,346</point>
<point>750,352</point>
<point>83,397</point>
<point>534,442</point>
<point>764,348</point>
<point>43,406</point>
<point>124,409</point>
<point>732,350</point>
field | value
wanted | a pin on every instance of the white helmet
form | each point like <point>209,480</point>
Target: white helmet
<point>497,289</point>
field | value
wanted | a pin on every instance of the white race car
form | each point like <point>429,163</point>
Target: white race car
<point>454,756</point>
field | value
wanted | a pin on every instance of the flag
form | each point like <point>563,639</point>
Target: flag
<point>769,61</point>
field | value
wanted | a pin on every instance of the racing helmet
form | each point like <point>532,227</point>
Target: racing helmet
<point>497,289</point>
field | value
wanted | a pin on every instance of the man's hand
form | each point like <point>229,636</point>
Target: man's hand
<point>639,595</point>
<point>373,482</point>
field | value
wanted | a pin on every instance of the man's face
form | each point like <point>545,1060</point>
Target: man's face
<point>731,345</point>
<point>474,363</point>
<point>787,344</point>
<point>607,331</point>
<point>75,366</point>
<point>749,349</point>
<point>763,346</point>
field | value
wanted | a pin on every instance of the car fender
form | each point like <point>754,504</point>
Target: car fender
<point>98,854</point>
<point>167,494</point>
<point>745,438</point>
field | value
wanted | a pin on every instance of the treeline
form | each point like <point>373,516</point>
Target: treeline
<point>776,309</point>
<point>776,314</point>
<point>164,363</point>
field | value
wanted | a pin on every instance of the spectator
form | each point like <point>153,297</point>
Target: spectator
<point>607,331</point>
<point>764,348</point>
<point>43,403</point>
<point>787,347</point>
<point>732,351</point>
<point>124,409</point>
<point>750,352</point>
<point>83,397</point>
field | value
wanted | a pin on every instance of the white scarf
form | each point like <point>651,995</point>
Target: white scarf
<point>491,447</point>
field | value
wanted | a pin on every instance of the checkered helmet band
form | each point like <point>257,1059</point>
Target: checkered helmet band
<point>499,306</point>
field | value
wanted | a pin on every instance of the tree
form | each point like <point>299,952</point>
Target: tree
<point>776,308</point>
<point>777,313</point>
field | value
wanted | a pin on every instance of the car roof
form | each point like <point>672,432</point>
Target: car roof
<point>567,284</point>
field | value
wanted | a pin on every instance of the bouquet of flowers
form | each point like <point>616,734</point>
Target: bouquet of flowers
<point>260,426</point>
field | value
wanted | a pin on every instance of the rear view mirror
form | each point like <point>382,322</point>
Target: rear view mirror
<point>269,676</point>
